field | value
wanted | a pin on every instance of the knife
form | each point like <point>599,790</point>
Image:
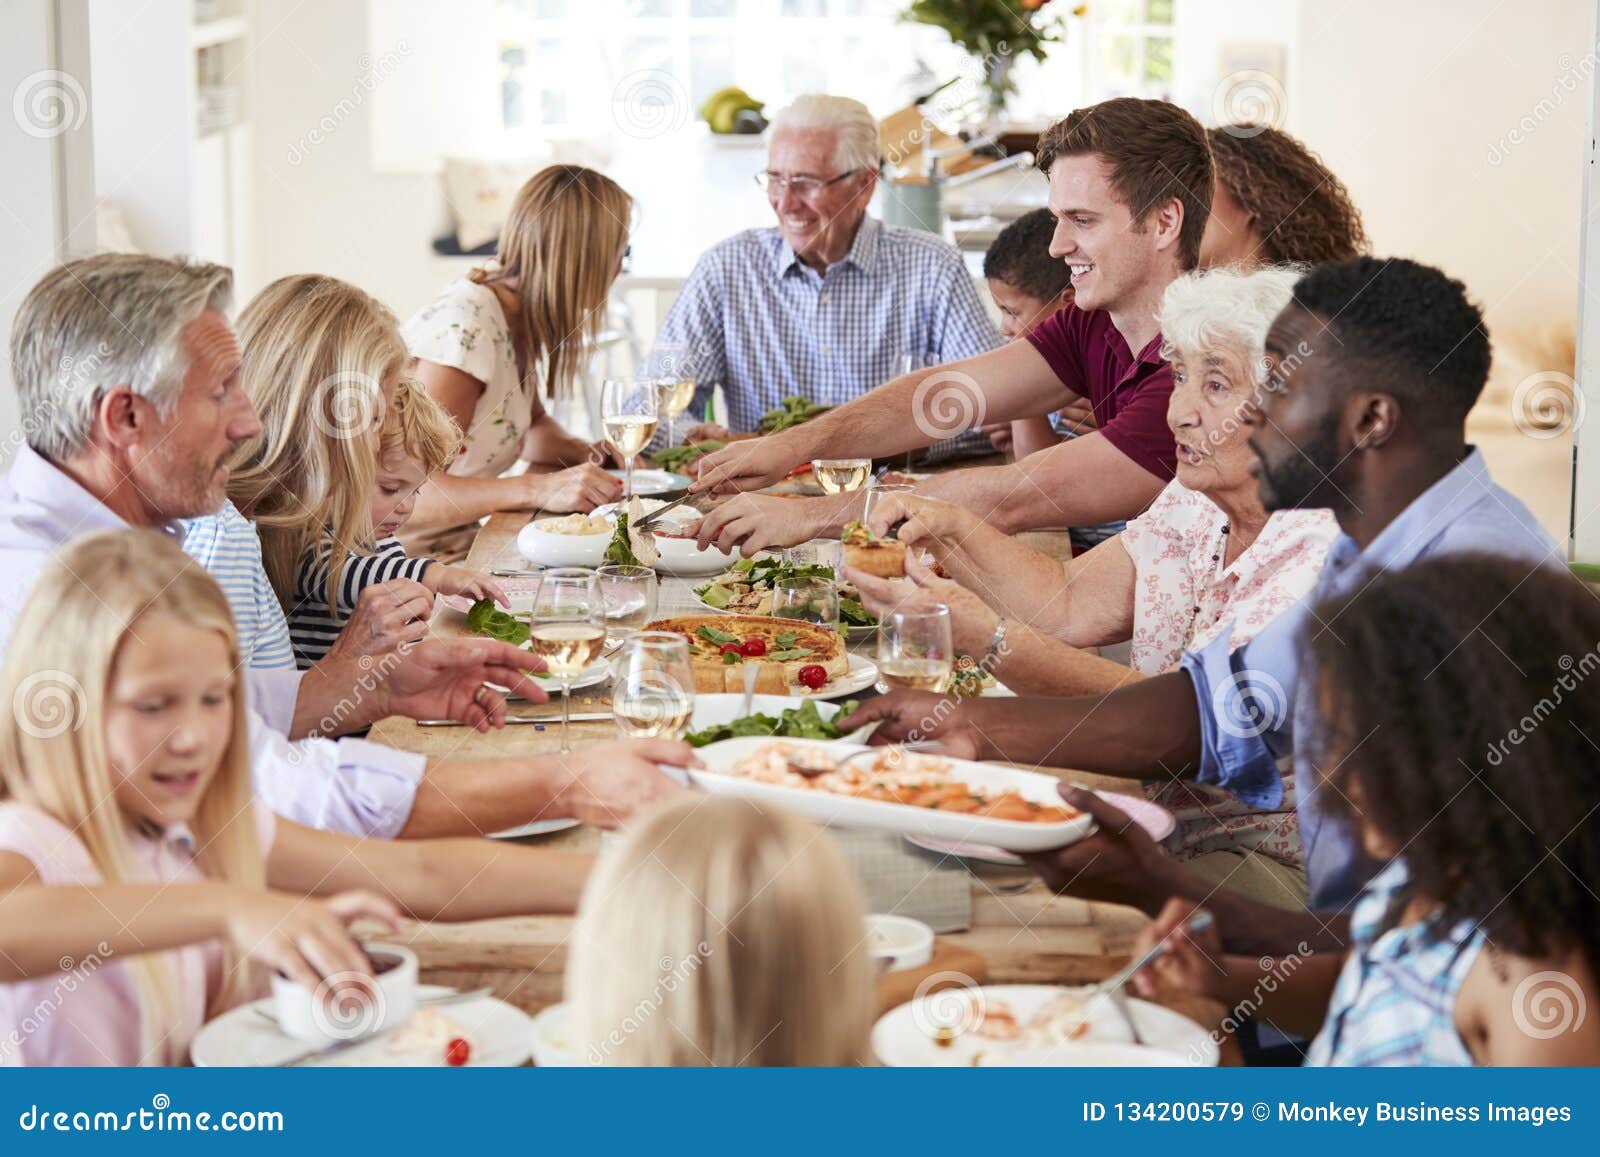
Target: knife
<point>660,510</point>
<point>577,717</point>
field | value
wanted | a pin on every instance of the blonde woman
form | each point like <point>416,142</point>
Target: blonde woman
<point>129,836</point>
<point>496,340</point>
<point>721,933</point>
<point>320,360</point>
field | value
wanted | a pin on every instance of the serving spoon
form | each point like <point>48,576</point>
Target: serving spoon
<point>811,771</point>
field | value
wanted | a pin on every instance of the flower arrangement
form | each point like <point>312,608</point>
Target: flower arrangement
<point>996,32</point>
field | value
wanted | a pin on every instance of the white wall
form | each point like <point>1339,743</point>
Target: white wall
<point>1411,104</point>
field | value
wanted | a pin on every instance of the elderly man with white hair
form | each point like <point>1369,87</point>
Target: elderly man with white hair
<point>822,304</point>
<point>127,371</point>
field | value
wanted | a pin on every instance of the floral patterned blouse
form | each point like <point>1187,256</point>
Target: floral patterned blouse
<point>465,328</point>
<point>1183,596</point>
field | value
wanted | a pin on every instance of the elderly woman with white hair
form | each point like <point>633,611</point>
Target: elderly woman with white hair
<point>822,304</point>
<point>1205,554</point>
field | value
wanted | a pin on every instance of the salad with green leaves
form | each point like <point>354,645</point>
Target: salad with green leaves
<point>802,722</point>
<point>746,588</point>
<point>675,458</point>
<point>791,411</point>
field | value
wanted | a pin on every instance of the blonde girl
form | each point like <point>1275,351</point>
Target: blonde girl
<point>495,341</point>
<point>140,884</point>
<point>721,933</point>
<point>321,359</point>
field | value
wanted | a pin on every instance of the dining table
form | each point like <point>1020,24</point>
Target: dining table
<point>1020,932</point>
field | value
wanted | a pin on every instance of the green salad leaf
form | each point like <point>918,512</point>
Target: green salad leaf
<point>619,550</point>
<point>791,411</point>
<point>713,635</point>
<point>675,458</point>
<point>802,722</point>
<point>487,619</point>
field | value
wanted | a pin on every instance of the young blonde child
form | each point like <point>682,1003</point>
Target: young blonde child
<point>418,438</point>
<point>129,839</point>
<point>721,933</point>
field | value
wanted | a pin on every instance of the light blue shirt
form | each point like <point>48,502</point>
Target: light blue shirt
<point>757,320</point>
<point>227,545</point>
<point>1253,701</point>
<point>350,786</point>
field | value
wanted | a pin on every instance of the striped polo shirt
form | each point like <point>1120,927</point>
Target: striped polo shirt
<point>313,626</point>
<point>226,544</point>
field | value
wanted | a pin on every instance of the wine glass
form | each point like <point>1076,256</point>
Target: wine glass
<point>628,410</point>
<point>828,552</point>
<point>673,395</point>
<point>628,594</point>
<point>915,650</point>
<point>813,600</point>
<point>567,630</point>
<point>841,475</point>
<point>876,491</point>
<point>652,691</point>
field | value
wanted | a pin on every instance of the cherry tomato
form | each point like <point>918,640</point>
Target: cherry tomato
<point>730,649</point>
<point>751,648</point>
<point>812,676</point>
<point>457,1052</point>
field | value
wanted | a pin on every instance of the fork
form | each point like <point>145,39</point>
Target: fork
<point>811,772</point>
<point>1113,987</point>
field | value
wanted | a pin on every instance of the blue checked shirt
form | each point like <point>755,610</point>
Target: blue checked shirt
<point>755,319</point>
<point>1395,1000</point>
<point>1463,511</point>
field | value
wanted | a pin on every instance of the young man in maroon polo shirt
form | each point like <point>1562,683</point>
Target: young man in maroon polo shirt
<point>1130,188</point>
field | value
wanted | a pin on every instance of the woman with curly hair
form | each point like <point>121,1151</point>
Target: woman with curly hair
<point>1275,202</point>
<point>1460,742</point>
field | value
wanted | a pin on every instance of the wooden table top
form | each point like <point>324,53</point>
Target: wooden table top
<point>1025,933</point>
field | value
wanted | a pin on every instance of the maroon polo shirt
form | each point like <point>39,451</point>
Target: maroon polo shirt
<point>1129,394</point>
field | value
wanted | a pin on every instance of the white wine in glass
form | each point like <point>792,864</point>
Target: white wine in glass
<point>915,674</point>
<point>673,396</point>
<point>841,475</point>
<point>652,692</point>
<point>628,411</point>
<point>567,631</point>
<point>915,649</point>
<point>567,648</point>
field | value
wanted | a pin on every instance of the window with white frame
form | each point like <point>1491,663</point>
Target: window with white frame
<point>1133,48</point>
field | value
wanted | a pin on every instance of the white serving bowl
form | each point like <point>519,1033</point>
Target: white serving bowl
<point>303,1014</point>
<point>898,942</point>
<point>541,546</point>
<point>683,557</point>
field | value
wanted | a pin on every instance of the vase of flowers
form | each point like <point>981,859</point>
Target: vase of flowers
<point>996,33</point>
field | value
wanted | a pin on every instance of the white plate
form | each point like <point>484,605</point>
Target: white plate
<point>536,828</point>
<point>903,819</point>
<point>1154,818</point>
<point>655,481</point>
<point>551,1037</point>
<point>903,1036</point>
<point>862,675</point>
<point>548,549</point>
<point>498,1032</point>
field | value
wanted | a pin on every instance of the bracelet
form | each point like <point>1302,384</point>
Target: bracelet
<point>996,642</point>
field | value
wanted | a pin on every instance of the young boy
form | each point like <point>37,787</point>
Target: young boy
<point>1028,285</point>
<point>418,438</point>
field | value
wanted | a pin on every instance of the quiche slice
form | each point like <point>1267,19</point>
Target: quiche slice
<point>865,552</point>
<point>788,647</point>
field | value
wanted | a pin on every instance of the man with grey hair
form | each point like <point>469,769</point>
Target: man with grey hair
<point>128,373</point>
<point>823,304</point>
